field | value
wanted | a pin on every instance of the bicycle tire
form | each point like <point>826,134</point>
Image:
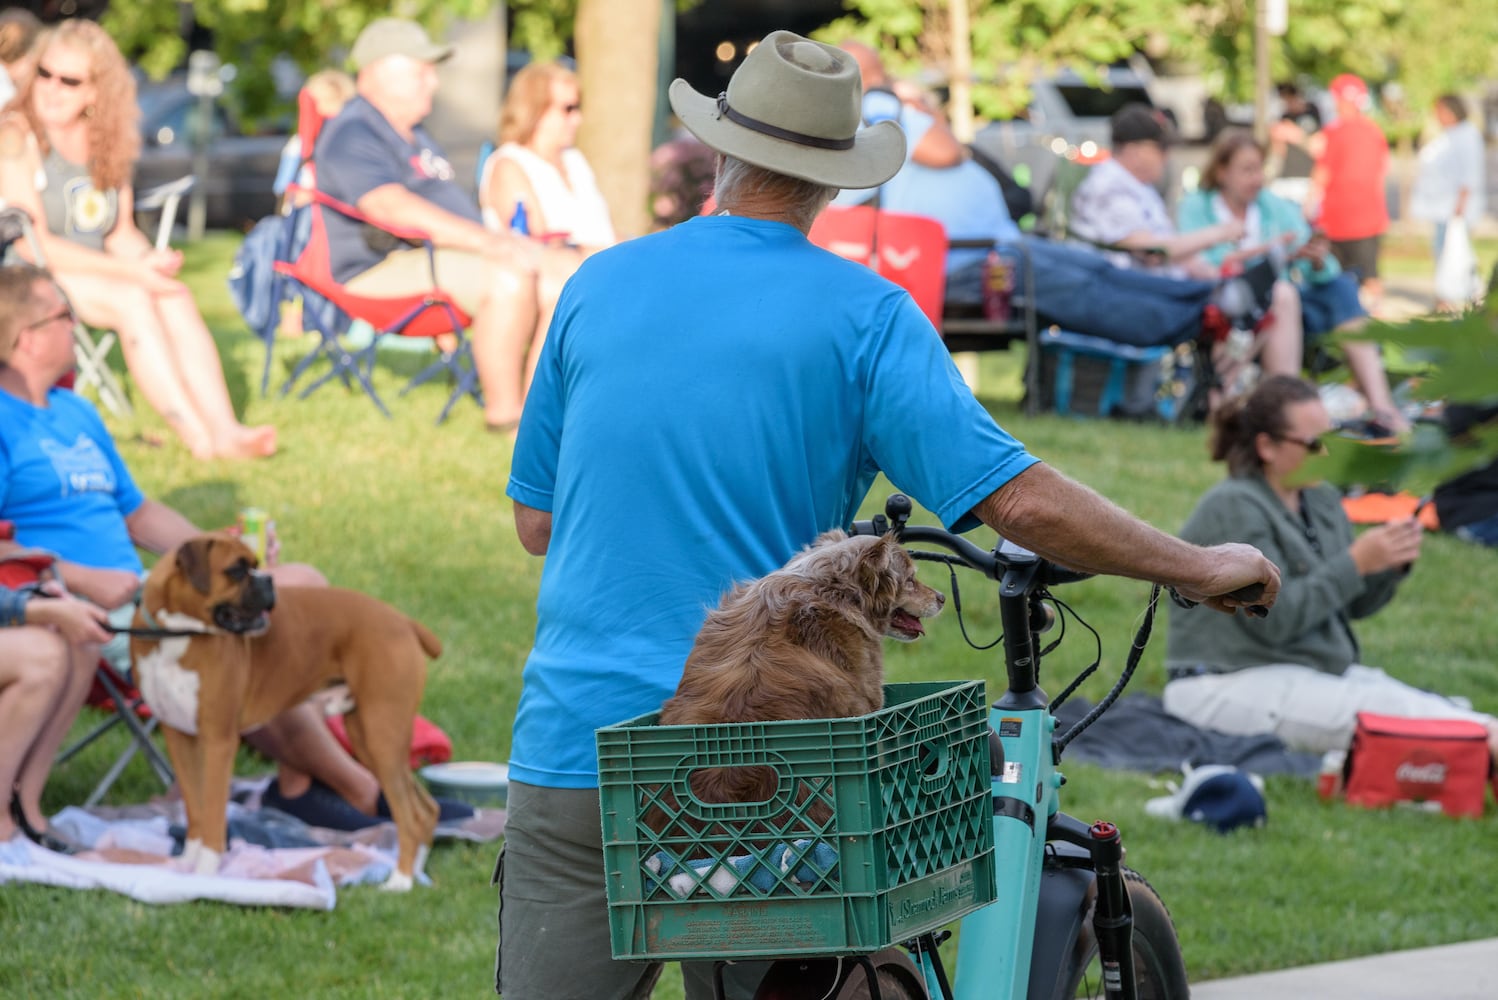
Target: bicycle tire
<point>829,979</point>
<point>1159,970</point>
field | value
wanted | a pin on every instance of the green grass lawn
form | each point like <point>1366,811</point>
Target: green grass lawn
<point>416,514</point>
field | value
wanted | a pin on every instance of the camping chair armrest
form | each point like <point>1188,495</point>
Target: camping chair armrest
<point>350,212</point>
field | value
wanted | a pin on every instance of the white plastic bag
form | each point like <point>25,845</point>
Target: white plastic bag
<point>1457,282</point>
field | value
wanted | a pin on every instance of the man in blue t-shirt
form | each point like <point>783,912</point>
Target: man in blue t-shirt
<point>711,398</point>
<point>66,489</point>
<point>376,157</point>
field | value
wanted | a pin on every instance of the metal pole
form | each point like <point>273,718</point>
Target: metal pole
<point>1261,70</point>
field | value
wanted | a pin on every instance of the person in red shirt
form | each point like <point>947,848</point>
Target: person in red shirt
<point>1346,199</point>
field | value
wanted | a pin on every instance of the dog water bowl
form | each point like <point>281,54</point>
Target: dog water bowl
<point>479,783</point>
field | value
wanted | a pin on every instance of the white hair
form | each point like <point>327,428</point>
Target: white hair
<point>798,200</point>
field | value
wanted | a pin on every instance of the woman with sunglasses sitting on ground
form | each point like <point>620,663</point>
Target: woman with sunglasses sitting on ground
<point>1297,673</point>
<point>68,142</point>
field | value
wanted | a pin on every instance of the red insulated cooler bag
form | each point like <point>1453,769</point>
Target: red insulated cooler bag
<point>1395,759</point>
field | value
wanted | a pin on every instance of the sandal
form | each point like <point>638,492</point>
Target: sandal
<point>45,839</point>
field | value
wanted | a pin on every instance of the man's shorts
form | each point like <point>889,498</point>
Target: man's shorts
<point>116,652</point>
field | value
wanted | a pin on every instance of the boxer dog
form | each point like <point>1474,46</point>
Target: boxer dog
<point>239,665</point>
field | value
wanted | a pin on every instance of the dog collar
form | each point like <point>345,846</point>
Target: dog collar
<point>175,627</point>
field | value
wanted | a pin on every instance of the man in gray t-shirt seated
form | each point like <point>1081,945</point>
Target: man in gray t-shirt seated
<point>376,156</point>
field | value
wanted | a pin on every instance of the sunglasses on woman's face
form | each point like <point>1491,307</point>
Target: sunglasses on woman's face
<point>1314,446</point>
<point>66,81</point>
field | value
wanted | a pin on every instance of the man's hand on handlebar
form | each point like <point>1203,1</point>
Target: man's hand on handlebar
<point>1236,574</point>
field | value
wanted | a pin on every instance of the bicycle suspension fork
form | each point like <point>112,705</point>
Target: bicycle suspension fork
<point>1113,915</point>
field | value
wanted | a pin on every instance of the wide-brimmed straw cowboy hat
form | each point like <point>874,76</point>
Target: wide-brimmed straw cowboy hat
<point>793,106</point>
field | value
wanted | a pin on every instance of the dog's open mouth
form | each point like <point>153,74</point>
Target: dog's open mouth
<point>905,626</point>
<point>240,621</point>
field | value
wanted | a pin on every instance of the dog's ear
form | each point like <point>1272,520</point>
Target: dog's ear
<point>193,563</point>
<point>874,566</point>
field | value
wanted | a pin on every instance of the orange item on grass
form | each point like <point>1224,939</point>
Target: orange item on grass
<point>1381,508</point>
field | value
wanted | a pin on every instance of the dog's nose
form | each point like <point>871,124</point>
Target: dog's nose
<point>263,591</point>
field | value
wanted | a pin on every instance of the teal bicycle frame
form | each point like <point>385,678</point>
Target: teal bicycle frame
<point>999,953</point>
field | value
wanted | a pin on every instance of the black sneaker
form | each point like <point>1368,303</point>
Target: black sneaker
<point>319,805</point>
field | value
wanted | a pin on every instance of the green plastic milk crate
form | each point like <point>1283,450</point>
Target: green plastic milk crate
<point>880,828</point>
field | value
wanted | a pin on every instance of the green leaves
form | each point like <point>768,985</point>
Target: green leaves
<point>1459,360</point>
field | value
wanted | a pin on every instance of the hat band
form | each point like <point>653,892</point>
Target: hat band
<point>775,132</point>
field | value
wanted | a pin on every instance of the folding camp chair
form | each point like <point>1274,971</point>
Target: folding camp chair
<point>329,309</point>
<point>115,695</point>
<point>92,354</point>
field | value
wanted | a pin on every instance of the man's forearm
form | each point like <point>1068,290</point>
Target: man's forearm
<point>1068,523</point>
<point>394,206</point>
<point>156,527</point>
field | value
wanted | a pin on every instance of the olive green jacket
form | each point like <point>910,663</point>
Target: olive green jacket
<point>1318,593</point>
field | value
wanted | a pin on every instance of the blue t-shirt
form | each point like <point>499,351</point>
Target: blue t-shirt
<point>708,400</point>
<point>359,151</point>
<point>63,483</point>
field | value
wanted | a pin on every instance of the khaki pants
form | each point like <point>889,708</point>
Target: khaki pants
<point>553,915</point>
<point>465,276</point>
<point>1307,709</point>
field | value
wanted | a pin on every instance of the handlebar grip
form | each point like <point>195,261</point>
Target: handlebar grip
<point>1253,592</point>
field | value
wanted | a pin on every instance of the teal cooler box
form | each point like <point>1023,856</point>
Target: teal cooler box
<point>1090,376</point>
<point>908,846</point>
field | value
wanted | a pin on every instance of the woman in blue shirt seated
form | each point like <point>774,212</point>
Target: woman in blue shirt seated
<point>1232,188</point>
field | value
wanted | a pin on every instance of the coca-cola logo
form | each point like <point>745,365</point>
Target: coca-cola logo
<point>1421,774</point>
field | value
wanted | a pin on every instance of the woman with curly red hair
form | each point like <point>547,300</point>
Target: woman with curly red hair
<point>68,143</point>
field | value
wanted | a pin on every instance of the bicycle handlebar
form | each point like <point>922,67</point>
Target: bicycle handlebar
<point>994,564</point>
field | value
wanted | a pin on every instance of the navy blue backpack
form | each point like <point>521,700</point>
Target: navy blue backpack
<point>254,285</point>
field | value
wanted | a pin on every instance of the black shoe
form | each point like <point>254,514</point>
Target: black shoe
<point>448,810</point>
<point>45,839</point>
<point>319,805</point>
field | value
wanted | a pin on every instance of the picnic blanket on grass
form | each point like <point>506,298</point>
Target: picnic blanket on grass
<point>273,859</point>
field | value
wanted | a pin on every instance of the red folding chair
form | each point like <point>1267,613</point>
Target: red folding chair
<point>910,250</point>
<point>430,313</point>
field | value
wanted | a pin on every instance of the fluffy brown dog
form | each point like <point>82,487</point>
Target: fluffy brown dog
<point>242,664</point>
<point>804,642</point>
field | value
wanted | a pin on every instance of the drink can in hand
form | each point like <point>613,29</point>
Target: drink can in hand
<point>253,530</point>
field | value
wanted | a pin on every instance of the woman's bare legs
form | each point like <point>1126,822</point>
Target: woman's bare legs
<point>43,681</point>
<point>192,347</point>
<point>173,359</point>
<point>1282,343</point>
<point>556,267</point>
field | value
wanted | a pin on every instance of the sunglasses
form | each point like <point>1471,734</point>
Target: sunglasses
<point>65,313</point>
<point>1313,446</point>
<point>572,109</point>
<point>66,81</point>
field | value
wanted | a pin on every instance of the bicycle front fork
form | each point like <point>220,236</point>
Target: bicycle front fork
<point>1113,915</point>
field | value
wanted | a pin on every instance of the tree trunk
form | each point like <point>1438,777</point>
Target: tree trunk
<point>617,61</point>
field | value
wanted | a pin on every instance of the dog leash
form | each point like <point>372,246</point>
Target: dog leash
<point>155,630</point>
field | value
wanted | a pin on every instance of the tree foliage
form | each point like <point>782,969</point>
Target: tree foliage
<point>252,33</point>
<point>1428,46</point>
<point>1458,359</point>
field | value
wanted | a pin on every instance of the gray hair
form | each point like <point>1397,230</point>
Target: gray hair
<point>798,200</point>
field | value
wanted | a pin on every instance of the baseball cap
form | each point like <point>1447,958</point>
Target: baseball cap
<point>1350,88</point>
<point>396,36</point>
<point>1139,123</point>
<point>1215,795</point>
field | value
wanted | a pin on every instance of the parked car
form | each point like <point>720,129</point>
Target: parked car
<point>1067,119</point>
<point>241,166</point>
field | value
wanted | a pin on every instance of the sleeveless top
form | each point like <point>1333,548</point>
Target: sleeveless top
<point>75,209</point>
<point>573,206</point>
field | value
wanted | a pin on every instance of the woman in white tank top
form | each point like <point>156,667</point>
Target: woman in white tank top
<point>537,166</point>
